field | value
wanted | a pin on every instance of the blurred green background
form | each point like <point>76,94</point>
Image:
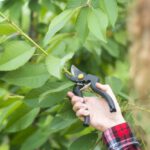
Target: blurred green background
<point>39,40</point>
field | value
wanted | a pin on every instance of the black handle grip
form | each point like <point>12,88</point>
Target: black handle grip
<point>76,91</point>
<point>106,97</point>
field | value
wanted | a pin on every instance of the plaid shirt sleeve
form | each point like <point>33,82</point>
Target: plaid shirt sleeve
<point>120,137</point>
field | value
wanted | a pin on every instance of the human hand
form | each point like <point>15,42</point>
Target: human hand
<point>97,108</point>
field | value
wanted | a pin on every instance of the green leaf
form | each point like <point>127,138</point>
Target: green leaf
<point>49,94</point>
<point>53,99</point>
<point>81,3</point>
<point>97,23</point>
<point>112,10</point>
<point>75,3</point>
<point>59,123</point>
<point>21,136</point>
<point>85,142</point>
<point>10,100</point>
<point>31,99</point>
<point>65,118</point>
<point>6,29</point>
<point>19,121</point>
<point>35,140</point>
<point>7,111</point>
<point>95,3</point>
<point>34,6</point>
<point>54,96</point>
<point>93,46</point>
<point>58,89</point>
<point>2,92</point>
<point>115,84</point>
<point>66,58</point>
<point>3,38</point>
<point>15,10</point>
<point>81,24</point>
<point>15,55</point>
<point>55,64</point>
<point>30,75</point>
<point>75,128</point>
<point>121,37</point>
<point>58,23</point>
<point>112,48</point>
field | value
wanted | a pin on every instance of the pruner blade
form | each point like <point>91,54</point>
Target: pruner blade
<point>75,71</point>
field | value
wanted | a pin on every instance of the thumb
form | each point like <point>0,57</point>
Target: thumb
<point>103,87</point>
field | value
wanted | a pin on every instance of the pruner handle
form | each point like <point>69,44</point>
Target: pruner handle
<point>105,96</point>
<point>78,92</point>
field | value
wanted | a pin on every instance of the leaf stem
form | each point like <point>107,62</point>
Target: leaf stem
<point>22,33</point>
<point>66,71</point>
<point>89,3</point>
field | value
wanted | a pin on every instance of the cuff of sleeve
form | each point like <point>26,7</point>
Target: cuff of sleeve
<point>119,137</point>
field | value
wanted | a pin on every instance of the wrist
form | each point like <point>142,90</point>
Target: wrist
<point>111,123</point>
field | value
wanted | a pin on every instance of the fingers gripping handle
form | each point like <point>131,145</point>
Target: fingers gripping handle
<point>106,97</point>
<point>76,91</point>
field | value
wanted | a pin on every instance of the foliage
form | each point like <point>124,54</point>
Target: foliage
<point>38,41</point>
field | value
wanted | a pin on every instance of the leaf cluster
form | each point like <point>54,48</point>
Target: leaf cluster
<point>38,41</point>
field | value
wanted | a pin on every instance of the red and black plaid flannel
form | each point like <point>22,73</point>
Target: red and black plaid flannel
<point>120,137</point>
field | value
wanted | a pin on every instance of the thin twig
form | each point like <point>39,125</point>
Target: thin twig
<point>139,107</point>
<point>66,71</point>
<point>22,33</point>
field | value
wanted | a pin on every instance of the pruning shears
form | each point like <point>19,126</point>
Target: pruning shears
<point>82,81</point>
